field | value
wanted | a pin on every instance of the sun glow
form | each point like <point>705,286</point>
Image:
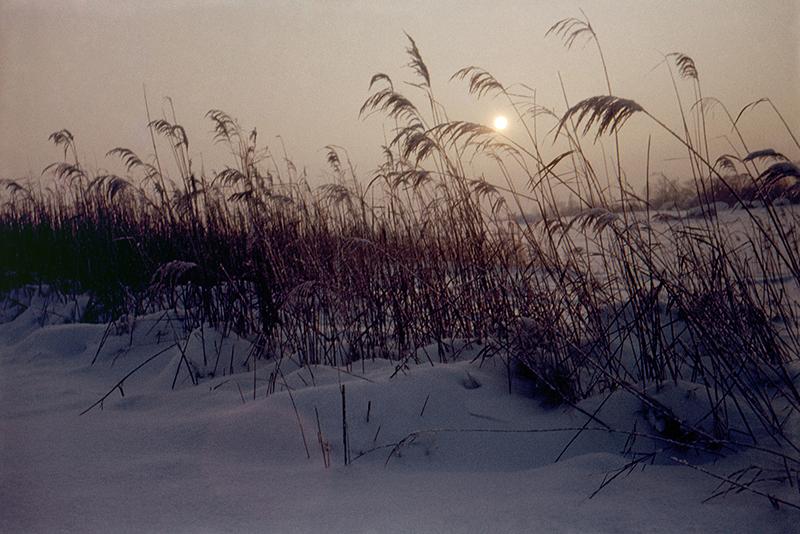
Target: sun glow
<point>500,123</point>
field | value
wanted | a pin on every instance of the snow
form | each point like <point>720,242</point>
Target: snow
<point>209,458</point>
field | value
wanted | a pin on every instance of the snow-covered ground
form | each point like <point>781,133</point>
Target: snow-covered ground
<point>442,448</point>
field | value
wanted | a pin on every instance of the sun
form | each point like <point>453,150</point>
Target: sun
<point>500,123</point>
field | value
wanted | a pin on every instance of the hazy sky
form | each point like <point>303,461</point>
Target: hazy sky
<point>301,68</point>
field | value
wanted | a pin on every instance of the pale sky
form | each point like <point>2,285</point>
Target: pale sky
<point>300,69</point>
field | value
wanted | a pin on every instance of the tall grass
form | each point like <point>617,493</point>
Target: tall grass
<point>613,296</point>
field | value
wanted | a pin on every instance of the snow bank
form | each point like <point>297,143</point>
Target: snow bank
<point>442,448</point>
